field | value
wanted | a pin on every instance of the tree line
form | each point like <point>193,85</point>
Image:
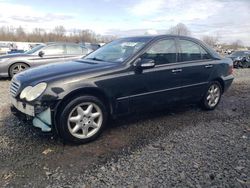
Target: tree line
<point>211,40</point>
<point>58,34</point>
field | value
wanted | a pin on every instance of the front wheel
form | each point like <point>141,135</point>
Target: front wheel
<point>212,96</point>
<point>16,68</point>
<point>82,120</point>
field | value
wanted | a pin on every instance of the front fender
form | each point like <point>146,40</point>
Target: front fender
<point>56,92</point>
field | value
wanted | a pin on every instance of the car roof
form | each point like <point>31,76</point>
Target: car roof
<point>162,36</point>
<point>61,43</point>
<point>158,37</point>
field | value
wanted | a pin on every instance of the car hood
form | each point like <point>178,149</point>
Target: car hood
<point>64,70</point>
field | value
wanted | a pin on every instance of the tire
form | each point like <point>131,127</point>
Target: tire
<point>244,65</point>
<point>236,64</point>
<point>212,97</point>
<point>16,68</point>
<point>80,123</point>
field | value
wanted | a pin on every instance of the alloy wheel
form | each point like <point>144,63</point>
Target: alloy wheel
<point>18,68</point>
<point>85,120</point>
<point>213,96</point>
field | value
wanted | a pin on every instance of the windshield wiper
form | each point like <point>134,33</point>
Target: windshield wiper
<point>95,59</point>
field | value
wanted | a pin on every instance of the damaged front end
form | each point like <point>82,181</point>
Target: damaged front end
<point>43,120</point>
<point>38,106</point>
<point>41,116</point>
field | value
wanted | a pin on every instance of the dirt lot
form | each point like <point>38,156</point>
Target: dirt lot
<point>183,147</point>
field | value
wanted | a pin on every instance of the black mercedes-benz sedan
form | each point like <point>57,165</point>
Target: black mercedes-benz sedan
<point>130,74</point>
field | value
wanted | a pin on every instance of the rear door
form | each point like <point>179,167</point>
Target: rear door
<point>197,66</point>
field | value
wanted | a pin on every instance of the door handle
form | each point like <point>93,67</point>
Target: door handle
<point>208,66</point>
<point>176,70</point>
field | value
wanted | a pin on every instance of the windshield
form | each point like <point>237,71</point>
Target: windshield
<point>118,50</point>
<point>35,49</point>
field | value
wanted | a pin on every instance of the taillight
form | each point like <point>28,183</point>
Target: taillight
<point>230,71</point>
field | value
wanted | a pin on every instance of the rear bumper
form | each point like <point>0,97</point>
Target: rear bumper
<point>228,80</point>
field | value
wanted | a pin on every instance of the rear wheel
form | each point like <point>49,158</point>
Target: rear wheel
<point>82,120</point>
<point>16,68</point>
<point>212,96</point>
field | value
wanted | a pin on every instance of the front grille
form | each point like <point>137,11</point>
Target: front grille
<point>14,88</point>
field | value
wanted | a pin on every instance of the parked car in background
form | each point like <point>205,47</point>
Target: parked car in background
<point>15,51</point>
<point>4,48</point>
<point>40,55</point>
<point>91,46</point>
<point>241,59</point>
<point>125,76</point>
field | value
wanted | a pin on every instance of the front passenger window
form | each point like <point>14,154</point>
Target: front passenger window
<point>163,52</point>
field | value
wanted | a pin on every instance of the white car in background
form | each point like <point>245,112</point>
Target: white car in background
<point>4,48</point>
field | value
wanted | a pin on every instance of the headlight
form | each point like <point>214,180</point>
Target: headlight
<point>25,92</point>
<point>2,60</point>
<point>32,93</point>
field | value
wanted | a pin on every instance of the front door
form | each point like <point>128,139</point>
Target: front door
<point>157,86</point>
<point>51,54</point>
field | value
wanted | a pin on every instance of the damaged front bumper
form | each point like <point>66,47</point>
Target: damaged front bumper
<point>41,116</point>
<point>43,120</point>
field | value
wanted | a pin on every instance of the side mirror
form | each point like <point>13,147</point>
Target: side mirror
<point>144,63</point>
<point>41,53</point>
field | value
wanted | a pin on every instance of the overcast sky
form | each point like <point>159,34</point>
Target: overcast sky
<point>228,19</point>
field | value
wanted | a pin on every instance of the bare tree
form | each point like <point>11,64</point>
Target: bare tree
<point>7,33</point>
<point>237,44</point>
<point>179,29</point>
<point>210,40</point>
<point>59,30</point>
<point>20,33</point>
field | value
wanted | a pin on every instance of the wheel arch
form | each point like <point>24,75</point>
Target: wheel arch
<point>220,80</point>
<point>92,91</point>
<point>23,62</point>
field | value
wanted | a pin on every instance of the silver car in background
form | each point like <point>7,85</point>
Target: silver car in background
<point>40,55</point>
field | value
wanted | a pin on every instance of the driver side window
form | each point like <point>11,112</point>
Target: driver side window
<point>162,52</point>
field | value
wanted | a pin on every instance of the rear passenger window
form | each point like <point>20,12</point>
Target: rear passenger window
<point>54,50</point>
<point>74,49</point>
<point>190,51</point>
<point>162,52</point>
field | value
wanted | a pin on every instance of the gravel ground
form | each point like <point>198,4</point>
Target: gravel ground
<point>182,147</point>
